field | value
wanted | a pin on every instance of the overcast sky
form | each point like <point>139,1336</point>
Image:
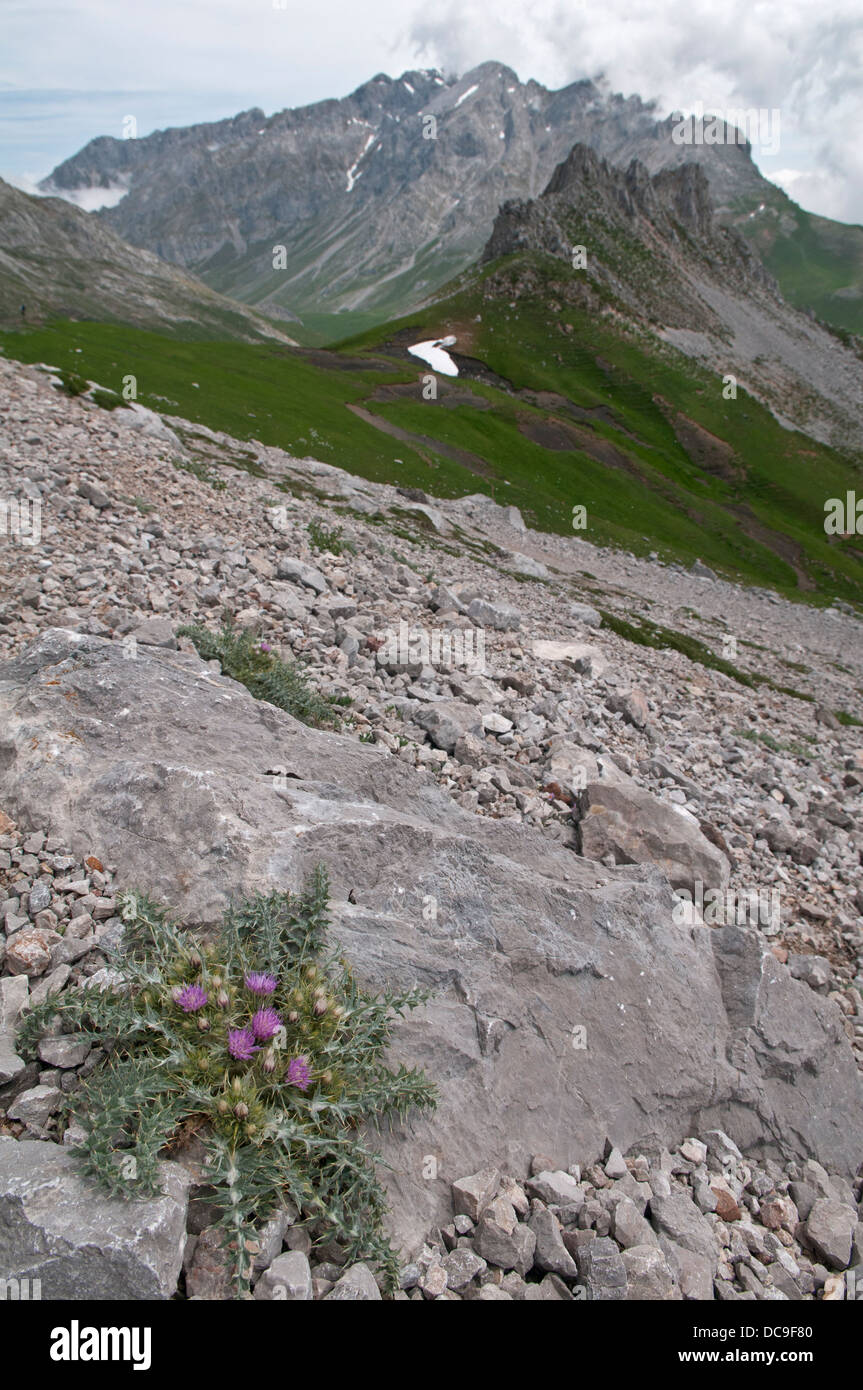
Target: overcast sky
<point>74,69</point>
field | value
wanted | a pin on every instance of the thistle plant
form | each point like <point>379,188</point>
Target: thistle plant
<point>246,658</point>
<point>259,1042</point>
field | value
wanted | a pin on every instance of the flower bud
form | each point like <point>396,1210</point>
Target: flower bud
<point>222,999</point>
<point>202,1064</point>
<point>269,1060</point>
<point>327,1077</point>
<point>320,1006</point>
<point>293,1016</point>
<point>204,1024</point>
<point>223,1107</point>
<point>237,1085</point>
<point>241,1110</point>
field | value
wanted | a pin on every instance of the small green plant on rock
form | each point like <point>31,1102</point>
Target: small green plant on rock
<point>247,658</point>
<point>261,1044</point>
<point>328,538</point>
<point>72,383</point>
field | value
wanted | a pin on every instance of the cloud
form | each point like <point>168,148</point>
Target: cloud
<point>188,60</point>
<point>800,58</point>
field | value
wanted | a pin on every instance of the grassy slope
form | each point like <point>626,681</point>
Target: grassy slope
<point>662,499</point>
<point>811,257</point>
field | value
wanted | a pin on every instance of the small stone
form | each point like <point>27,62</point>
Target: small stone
<point>678,1218</point>
<point>29,951</point>
<point>11,1065</point>
<point>615,1164</point>
<point>601,1270</point>
<point>94,494</point>
<point>298,1238</point>
<point>356,1285</point>
<point>14,990</point>
<point>496,723</point>
<point>629,1227</point>
<point>461,1266</point>
<point>647,1274</point>
<point>726,1207</point>
<point>551,1289</point>
<point>35,1107</point>
<point>287,1279</point>
<point>779,1213</point>
<point>508,1249</point>
<point>208,1276</point>
<point>434,1281</point>
<point>550,1253</point>
<point>271,1236</point>
<point>632,705</point>
<point>64,1051</point>
<point>472,1195</point>
<point>556,1189</point>
<point>500,616</point>
<point>694,1270</point>
<point>721,1149</point>
<point>41,896</point>
<point>830,1229</point>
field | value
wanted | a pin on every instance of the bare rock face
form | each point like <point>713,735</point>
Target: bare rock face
<point>617,817</point>
<point>567,1004</point>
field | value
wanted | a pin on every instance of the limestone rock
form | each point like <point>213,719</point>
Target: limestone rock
<point>82,1244</point>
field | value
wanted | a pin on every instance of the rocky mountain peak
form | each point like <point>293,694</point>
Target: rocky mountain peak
<point>300,177</point>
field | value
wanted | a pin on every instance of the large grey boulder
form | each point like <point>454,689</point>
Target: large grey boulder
<point>567,1004</point>
<point>501,616</point>
<point>447,722</point>
<point>302,573</point>
<point>82,1244</point>
<point>830,1229</point>
<point>617,817</point>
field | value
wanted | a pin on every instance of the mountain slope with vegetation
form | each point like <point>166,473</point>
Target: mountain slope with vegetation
<point>592,396</point>
<point>59,262</point>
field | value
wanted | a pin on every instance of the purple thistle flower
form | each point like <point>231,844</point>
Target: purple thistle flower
<point>261,983</point>
<point>299,1074</point>
<point>241,1044</point>
<point>265,1024</point>
<point>265,647</point>
<point>190,998</point>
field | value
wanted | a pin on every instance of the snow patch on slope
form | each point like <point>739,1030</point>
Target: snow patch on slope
<point>433,353</point>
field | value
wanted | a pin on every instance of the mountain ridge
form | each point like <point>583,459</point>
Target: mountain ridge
<point>58,262</point>
<point>375,218</point>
